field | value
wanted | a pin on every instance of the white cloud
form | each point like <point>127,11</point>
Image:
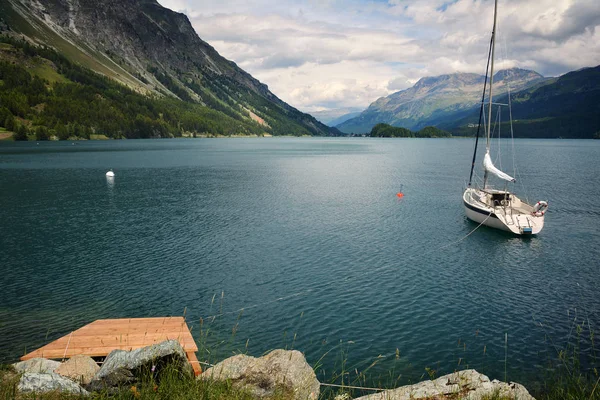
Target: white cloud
<point>317,54</point>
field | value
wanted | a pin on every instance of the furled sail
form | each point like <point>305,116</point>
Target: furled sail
<point>488,165</point>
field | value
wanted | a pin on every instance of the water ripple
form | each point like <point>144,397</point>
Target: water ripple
<point>308,237</point>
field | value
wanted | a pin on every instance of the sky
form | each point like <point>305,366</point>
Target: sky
<point>329,54</point>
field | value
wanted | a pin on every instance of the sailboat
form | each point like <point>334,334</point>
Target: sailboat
<point>486,205</point>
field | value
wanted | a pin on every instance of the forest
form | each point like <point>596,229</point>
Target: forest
<point>75,102</point>
<point>385,130</point>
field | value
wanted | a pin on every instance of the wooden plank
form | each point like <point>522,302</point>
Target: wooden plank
<point>89,351</point>
<point>98,351</point>
<point>137,321</point>
<point>130,329</point>
<point>61,353</point>
<point>186,341</point>
<point>193,360</point>
<point>100,337</point>
<point>131,337</point>
<point>75,338</point>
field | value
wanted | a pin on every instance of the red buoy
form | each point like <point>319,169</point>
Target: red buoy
<point>400,194</point>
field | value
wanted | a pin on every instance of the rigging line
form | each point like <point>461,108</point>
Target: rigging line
<point>481,110</point>
<point>497,104</point>
<point>512,135</point>
<point>467,235</point>
<point>498,155</point>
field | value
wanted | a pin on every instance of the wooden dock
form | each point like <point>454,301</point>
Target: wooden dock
<point>102,336</point>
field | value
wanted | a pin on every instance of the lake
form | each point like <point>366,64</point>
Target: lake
<point>308,237</point>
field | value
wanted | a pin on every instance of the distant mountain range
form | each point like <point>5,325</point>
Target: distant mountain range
<point>336,116</point>
<point>434,99</point>
<point>568,106</point>
<point>153,51</point>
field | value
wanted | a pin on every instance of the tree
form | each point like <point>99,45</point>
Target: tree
<point>9,123</point>
<point>4,113</point>
<point>62,132</point>
<point>41,133</point>
<point>20,133</point>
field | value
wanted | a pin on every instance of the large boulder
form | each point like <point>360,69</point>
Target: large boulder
<point>125,367</point>
<point>280,371</point>
<point>34,382</point>
<point>463,385</point>
<point>36,365</point>
<point>80,369</point>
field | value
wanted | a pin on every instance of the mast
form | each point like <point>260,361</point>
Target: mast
<point>489,127</point>
<point>481,108</point>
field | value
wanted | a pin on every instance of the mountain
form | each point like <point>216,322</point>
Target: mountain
<point>343,118</point>
<point>434,99</point>
<point>156,52</point>
<point>336,116</point>
<point>565,107</point>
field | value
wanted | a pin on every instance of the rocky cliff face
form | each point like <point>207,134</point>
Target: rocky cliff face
<point>433,99</point>
<point>151,48</point>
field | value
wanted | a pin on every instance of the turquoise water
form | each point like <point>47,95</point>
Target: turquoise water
<point>308,236</point>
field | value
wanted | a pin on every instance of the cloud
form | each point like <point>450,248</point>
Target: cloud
<point>317,54</point>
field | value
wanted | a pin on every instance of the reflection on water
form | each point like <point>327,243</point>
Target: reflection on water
<point>110,181</point>
<point>309,237</point>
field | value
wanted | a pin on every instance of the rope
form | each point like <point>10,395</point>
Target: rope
<point>468,234</point>
<point>323,384</point>
<point>352,387</point>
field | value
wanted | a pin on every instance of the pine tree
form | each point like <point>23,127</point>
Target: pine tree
<point>20,133</point>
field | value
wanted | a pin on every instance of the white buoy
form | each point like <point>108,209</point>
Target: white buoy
<point>110,174</point>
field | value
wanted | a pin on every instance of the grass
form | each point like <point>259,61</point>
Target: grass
<point>94,136</point>
<point>574,373</point>
<point>571,374</point>
<point>45,71</point>
<point>5,135</point>
<point>170,384</point>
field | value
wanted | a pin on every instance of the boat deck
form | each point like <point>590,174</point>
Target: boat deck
<point>102,336</point>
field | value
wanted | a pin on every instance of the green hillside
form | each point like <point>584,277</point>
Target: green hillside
<point>42,91</point>
<point>151,51</point>
<point>567,107</point>
<point>385,130</point>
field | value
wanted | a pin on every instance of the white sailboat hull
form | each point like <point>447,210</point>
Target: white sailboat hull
<point>513,215</point>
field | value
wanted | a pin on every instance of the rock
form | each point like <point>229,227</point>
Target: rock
<point>37,365</point>
<point>343,396</point>
<point>231,368</point>
<point>48,382</point>
<point>80,369</point>
<point>463,385</point>
<point>280,370</point>
<point>124,367</point>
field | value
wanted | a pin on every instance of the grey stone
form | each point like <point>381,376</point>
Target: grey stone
<point>124,367</point>
<point>80,369</point>
<point>463,385</point>
<point>280,370</point>
<point>48,382</point>
<point>231,368</point>
<point>37,365</point>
